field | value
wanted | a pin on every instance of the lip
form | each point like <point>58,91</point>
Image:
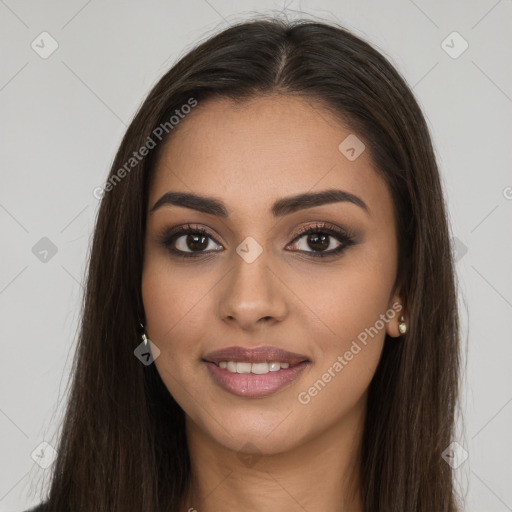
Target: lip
<point>250,384</point>
<point>255,355</point>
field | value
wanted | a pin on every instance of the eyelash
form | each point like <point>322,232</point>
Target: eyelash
<point>344,236</point>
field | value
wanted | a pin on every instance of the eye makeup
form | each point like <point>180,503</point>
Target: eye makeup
<point>319,232</point>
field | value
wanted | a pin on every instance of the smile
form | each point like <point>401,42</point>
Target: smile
<point>251,383</point>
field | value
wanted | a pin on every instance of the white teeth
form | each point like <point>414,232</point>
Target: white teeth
<point>257,368</point>
<point>242,367</point>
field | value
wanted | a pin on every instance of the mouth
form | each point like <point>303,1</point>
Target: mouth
<point>254,372</point>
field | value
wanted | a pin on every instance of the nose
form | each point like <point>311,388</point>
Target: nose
<point>253,294</point>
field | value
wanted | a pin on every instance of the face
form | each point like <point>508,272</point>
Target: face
<point>252,278</point>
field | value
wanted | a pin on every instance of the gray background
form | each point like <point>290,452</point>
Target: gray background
<point>62,119</point>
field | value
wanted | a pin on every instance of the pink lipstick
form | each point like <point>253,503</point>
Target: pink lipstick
<point>255,372</point>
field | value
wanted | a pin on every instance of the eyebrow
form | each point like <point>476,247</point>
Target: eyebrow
<point>280,208</point>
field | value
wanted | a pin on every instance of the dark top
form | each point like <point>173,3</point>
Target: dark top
<point>38,508</point>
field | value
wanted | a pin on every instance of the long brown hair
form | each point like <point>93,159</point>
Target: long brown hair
<point>122,445</point>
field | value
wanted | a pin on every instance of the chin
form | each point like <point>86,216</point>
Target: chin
<point>252,434</point>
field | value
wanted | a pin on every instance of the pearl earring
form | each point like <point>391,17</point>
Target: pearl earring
<point>402,326</point>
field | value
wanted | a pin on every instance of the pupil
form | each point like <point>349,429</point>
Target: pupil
<point>319,242</point>
<point>191,240</point>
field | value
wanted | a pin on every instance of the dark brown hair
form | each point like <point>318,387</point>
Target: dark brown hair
<point>123,446</point>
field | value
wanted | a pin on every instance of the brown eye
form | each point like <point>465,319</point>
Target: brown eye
<point>187,241</point>
<point>192,242</point>
<point>318,241</point>
<point>321,239</point>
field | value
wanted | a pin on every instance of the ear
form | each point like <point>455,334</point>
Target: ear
<point>395,310</point>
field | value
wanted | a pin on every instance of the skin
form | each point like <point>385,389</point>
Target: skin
<point>305,456</point>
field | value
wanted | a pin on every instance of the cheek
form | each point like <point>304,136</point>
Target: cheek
<point>344,301</point>
<point>348,357</point>
<point>172,298</point>
<point>176,304</point>
<point>347,319</point>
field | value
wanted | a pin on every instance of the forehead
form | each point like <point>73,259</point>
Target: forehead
<point>254,152</point>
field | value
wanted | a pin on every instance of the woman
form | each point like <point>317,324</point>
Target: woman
<point>270,318</point>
